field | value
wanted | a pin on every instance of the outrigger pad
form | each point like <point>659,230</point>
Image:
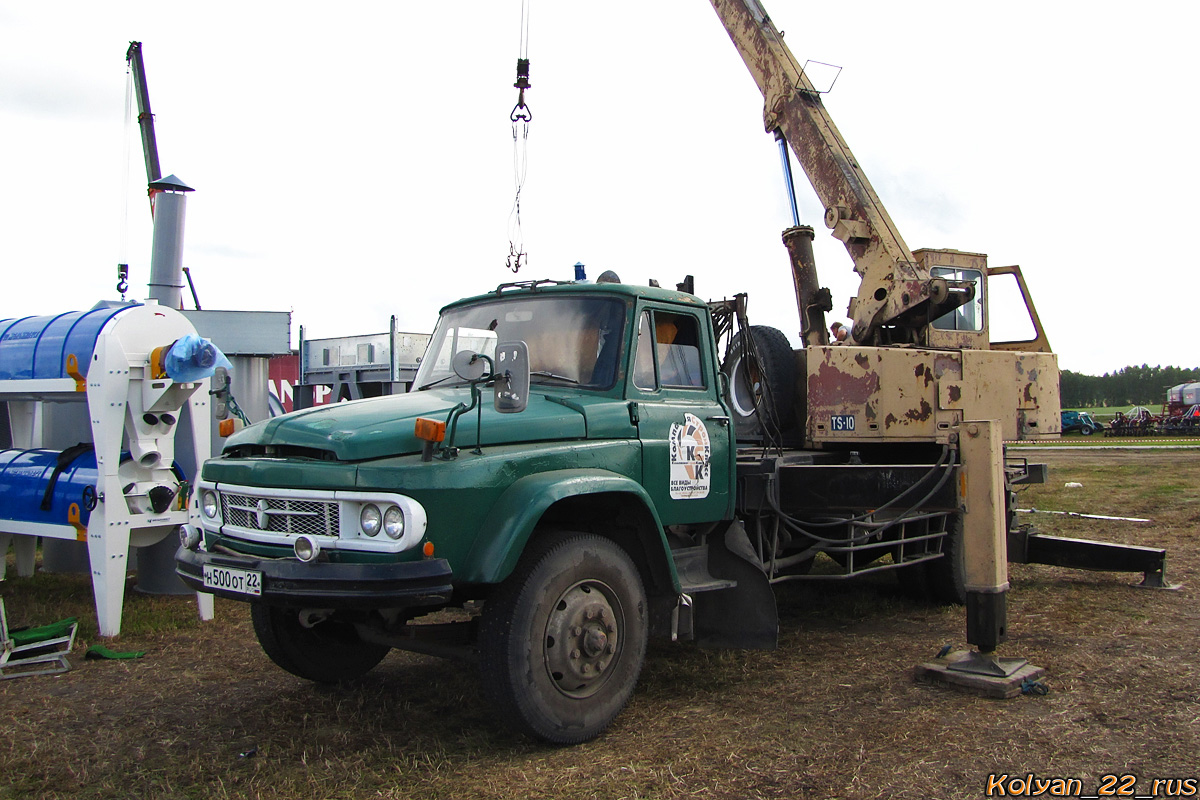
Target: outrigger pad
<point>743,616</point>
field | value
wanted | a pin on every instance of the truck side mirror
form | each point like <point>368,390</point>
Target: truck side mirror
<point>220,393</point>
<point>511,387</point>
<point>468,365</point>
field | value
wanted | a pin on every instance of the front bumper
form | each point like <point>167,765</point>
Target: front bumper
<point>321,584</point>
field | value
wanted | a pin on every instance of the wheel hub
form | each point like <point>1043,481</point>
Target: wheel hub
<point>582,638</point>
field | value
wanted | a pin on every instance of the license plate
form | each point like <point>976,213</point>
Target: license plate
<point>842,422</point>
<point>242,581</point>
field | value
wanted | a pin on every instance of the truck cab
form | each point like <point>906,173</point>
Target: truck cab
<point>344,525</point>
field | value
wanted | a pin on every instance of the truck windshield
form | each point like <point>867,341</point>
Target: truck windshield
<point>572,340</point>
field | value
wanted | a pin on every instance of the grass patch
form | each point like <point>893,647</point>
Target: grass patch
<point>833,712</point>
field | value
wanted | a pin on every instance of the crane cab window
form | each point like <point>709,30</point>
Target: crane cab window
<point>967,317</point>
<point>668,352</point>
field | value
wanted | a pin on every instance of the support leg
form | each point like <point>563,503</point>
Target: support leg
<point>108,548</point>
<point>984,533</point>
<point>986,573</point>
<point>204,603</point>
<point>26,550</point>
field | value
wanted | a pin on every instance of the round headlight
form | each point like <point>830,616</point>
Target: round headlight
<point>189,537</point>
<point>393,522</point>
<point>370,519</point>
<point>208,503</point>
<point>306,548</point>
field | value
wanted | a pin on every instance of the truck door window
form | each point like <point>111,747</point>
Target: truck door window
<point>1009,313</point>
<point>643,369</point>
<point>673,348</point>
<point>967,317</point>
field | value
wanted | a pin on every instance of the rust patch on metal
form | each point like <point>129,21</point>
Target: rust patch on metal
<point>890,420</point>
<point>831,387</point>
<point>923,370</point>
<point>1029,393</point>
<point>924,413</point>
<point>955,392</point>
<point>862,360</point>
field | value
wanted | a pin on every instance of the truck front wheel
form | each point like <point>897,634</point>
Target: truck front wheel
<point>562,640</point>
<point>327,652</point>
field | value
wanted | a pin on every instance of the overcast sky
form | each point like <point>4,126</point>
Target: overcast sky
<point>353,161</point>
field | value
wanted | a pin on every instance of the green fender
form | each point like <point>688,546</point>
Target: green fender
<point>520,508</point>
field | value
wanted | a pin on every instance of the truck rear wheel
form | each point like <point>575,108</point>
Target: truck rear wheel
<point>563,639</point>
<point>946,576</point>
<point>761,392</point>
<point>328,652</point>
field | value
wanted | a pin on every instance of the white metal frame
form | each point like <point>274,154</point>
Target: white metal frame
<point>43,657</point>
<point>120,389</point>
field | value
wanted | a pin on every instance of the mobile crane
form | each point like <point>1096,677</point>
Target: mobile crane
<point>626,480</point>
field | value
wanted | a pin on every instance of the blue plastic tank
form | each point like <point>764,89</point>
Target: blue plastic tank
<point>24,476</point>
<point>36,348</point>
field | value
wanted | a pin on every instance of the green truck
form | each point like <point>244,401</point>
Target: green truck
<point>594,496</point>
<point>570,522</point>
<point>585,466</point>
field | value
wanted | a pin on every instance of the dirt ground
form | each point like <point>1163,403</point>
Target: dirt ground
<point>833,713</point>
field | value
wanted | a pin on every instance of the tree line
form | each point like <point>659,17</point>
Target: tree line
<point>1129,386</point>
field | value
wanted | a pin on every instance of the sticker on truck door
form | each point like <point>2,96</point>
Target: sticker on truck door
<point>691,467</point>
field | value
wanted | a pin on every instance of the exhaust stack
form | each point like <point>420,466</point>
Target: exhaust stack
<point>169,202</point>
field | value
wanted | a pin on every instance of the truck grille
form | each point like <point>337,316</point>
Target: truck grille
<point>280,515</point>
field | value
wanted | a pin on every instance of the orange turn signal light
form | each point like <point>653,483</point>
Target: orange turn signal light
<point>431,430</point>
<point>428,550</point>
<point>226,427</point>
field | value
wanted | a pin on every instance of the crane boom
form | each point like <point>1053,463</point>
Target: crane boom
<point>895,290</point>
<point>145,118</point>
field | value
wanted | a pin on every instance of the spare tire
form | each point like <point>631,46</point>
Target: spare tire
<point>761,382</point>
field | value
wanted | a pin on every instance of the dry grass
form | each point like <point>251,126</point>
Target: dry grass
<point>833,713</point>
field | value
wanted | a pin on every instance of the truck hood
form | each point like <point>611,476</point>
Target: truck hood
<point>381,427</point>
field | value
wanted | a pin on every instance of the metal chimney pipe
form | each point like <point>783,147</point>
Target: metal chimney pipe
<point>166,253</point>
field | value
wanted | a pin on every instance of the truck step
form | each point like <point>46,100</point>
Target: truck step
<point>692,565</point>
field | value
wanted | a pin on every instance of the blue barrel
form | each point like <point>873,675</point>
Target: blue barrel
<point>25,474</point>
<point>36,348</point>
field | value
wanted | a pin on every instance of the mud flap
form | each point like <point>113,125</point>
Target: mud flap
<point>743,616</point>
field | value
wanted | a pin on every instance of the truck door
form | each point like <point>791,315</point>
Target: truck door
<point>682,424</point>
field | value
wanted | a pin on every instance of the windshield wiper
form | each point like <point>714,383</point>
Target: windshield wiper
<point>542,374</point>
<point>431,384</point>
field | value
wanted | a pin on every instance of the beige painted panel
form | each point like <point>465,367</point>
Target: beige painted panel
<point>891,393</point>
<point>1018,389</point>
<point>861,394</point>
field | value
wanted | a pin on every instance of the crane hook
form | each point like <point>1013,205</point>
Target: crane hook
<point>122,279</point>
<point>521,112</point>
